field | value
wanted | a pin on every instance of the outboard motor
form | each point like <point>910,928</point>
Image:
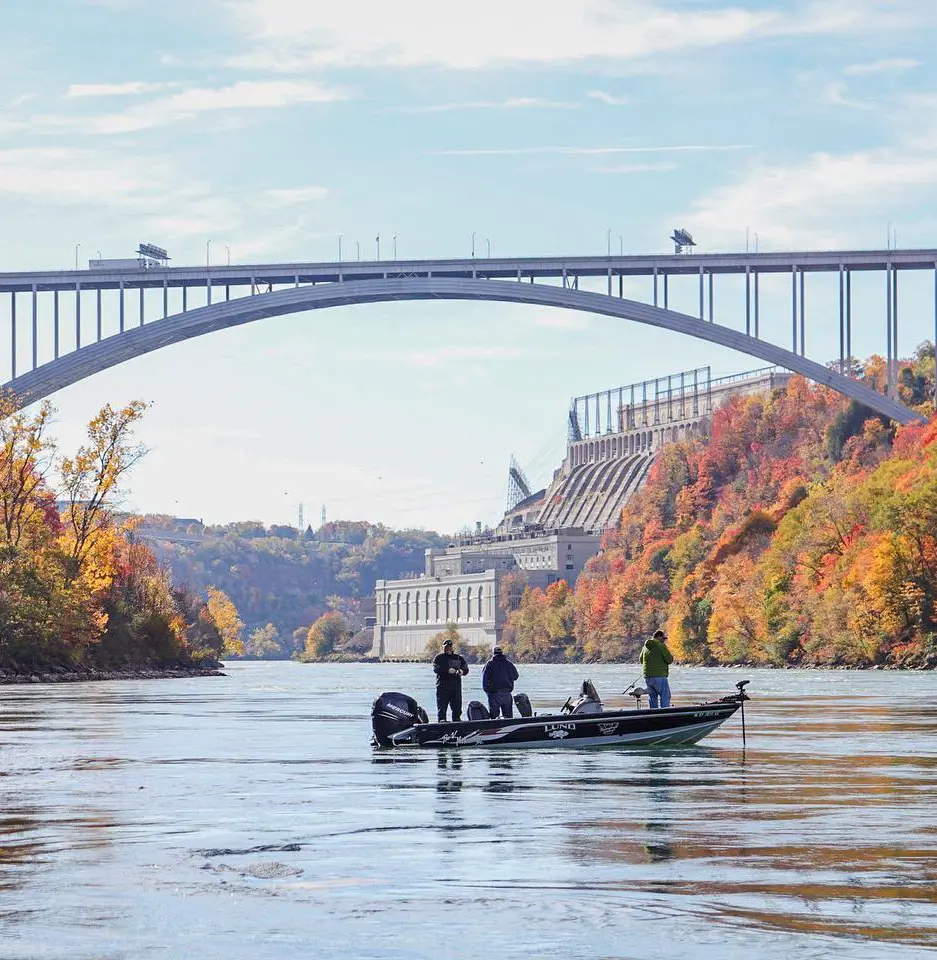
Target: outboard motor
<point>393,713</point>
<point>522,702</point>
<point>587,702</point>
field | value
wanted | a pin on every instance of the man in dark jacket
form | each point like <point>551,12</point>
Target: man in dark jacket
<point>498,682</point>
<point>449,668</point>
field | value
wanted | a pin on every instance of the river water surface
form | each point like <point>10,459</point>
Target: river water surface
<point>247,817</point>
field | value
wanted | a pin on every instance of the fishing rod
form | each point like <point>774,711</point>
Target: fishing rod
<point>630,685</point>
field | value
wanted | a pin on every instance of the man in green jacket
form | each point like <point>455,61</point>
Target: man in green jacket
<point>655,659</point>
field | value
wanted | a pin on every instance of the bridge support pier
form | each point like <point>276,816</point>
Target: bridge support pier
<point>803,314</point>
<point>36,326</point>
<point>756,304</point>
<point>849,317</point>
<point>13,334</point>
<point>888,371</point>
<point>748,302</point>
<point>794,310</point>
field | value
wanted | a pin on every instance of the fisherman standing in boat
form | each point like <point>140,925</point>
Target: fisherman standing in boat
<point>498,682</point>
<point>449,668</point>
<point>655,659</point>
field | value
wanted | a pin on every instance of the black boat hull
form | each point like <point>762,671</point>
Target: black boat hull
<point>673,726</point>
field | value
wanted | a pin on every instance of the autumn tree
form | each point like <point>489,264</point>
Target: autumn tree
<point>434,646</point>
<point>225,616</point>
<point>91,477</point>
<point>264,643</point>
<point>324,635</point>
<point>27,509</point>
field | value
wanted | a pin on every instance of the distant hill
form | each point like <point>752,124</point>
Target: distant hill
<point>277,575</point>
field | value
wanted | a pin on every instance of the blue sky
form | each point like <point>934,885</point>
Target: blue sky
<point>271,127</point>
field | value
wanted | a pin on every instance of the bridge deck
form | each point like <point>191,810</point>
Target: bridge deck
<point>495,268</point>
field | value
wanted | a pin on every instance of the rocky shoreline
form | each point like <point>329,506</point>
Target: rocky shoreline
<point>92,674</point>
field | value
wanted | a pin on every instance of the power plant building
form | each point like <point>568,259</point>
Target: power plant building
<point>550,534</point>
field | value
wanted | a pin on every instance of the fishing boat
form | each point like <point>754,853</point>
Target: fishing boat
<point>399,721</point>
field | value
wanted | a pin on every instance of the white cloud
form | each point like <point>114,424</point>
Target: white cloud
<point>185,105</point>
<point>512,103</point>
<point>591,151</point>
<point>128,89</point>
<point>836,94</point>
<point>71,176</point>
<point>245,95</point>
<point>161,198</point>
<point>609,98</point>
<point>488,33</point>
<point>816,203</point>
<point>896,65</point>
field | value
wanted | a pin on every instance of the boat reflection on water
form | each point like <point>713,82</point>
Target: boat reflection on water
<point>501,773</point>
<point>450,772</point>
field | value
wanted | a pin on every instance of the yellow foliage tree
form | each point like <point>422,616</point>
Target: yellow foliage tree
<point>225,615</point>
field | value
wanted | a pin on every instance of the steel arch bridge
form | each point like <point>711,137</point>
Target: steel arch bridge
<point>46,378</point>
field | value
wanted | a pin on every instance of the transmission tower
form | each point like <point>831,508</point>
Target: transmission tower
<point>518,485</point>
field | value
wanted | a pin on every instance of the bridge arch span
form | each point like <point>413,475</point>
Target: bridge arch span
<point>75,366</point>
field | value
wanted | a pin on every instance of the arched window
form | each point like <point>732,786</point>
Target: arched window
<point>426,618</point>
<point>387,608</point>
<point>480,602</point>
<point>447,607</point>
<point>416,607</point>
<point>437,606</point>
<point>468,604</point>
<point>458,605</point>
<point>406,608</point>
<point>397,618</point>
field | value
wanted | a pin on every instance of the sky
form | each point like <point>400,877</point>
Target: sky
<point>265,130</point>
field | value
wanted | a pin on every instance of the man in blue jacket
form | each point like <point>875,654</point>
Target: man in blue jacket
<point>498,682</point>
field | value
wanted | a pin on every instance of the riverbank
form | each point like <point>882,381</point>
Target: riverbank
<point>91,674</point>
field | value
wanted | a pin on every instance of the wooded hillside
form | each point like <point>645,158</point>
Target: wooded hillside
<point>802,531</point>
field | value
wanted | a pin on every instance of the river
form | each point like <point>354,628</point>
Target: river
<point>247,817</point>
